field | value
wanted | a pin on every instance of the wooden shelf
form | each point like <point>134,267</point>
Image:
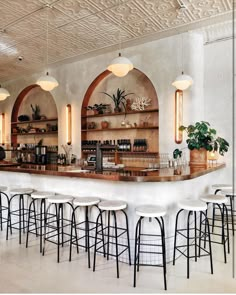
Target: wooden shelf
<point>124,153</point>
<point>121,113</point>
<point>34,121</point>
<point>120,128</point>
<point>35,133</point>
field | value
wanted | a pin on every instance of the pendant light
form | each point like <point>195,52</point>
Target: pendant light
<point>182,82</point>
<point>3,93</point>
<point>120,66</point>
<point>47,82</point>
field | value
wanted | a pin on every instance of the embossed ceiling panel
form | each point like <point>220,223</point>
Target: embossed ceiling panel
<point>81,28</point>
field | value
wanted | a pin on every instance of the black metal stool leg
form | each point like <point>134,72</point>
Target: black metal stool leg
<point>35,219</point>
<point>87,234</point>
<point>209,240</point>
<point>195,234</point>
<point>95,245</point>
<point>188,254</point>
<point>213,217</point>
<point>139,242</point>
<point>108,235</point>
<point>176,229</point>
<point>41,222</point>
<point>128,241</point>
<point>227,226</point>
<point>20,222</point>
<point>116,238</point>
<point>28,224</point>
<point>200,234</point>
<point>73,225</point>
<point>62,224</point>
<point>58,232</point>
<point>135,249</point>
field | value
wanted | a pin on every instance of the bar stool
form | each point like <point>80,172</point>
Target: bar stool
<point>156,212</point>
<point>218,201</point>
<point>87,203</point>
<point>4,205</point>
<point>38,217</point>
<point>56,223</point>
<point>112,207</point>
<point>192,207</point>
<point>21,212</point>
<point>231,194</point>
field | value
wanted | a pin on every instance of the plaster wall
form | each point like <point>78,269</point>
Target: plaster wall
<point>160,61</point>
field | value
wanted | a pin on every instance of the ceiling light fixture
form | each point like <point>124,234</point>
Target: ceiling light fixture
<point>3,93</point>
<point>183,81</point>
<point>47,82</point>
<point>120,66</point>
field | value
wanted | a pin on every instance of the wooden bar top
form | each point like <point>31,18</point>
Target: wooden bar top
<point>126,174</point>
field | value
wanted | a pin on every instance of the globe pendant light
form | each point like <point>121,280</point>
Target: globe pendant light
<point>3,93</point>
<point>182,82</point>
<point>120,66</point>
<point>47,82</point>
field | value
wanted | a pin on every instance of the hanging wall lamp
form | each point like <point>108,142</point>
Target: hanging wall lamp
<point>47,82</point>
<point>120,66</point>
<point>3,93</point>
<point>2,128</point>
<point>178,115</point>
<point>68,124</point>
<point>182,82</point>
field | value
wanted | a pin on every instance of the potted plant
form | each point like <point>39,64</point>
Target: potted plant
<point>203,138</point>
<point>97,108</point>
<point>119,99</point>
<point>36,112</point>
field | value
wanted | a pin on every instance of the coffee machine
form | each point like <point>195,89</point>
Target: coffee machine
<point>41,154</point>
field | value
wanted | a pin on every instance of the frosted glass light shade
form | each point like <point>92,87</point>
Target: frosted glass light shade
<point>47,82</point>
<point>183,82</point>
<point>3,93</point>
<point>120,66</point>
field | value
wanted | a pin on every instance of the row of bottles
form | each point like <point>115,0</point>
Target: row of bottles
<point>121,145</point>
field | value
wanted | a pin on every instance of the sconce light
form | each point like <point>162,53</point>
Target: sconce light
<point>2,128</point>
<point>178,115</point>
<point>68,124</point>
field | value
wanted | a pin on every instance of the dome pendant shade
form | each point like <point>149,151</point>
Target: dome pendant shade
<point>3,93</point>
<point>47,82</point>
<point>183,82</point>
<point>120,66</point>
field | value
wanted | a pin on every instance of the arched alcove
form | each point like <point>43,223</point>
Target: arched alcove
<point>139,124</point>
<point>45,128</point>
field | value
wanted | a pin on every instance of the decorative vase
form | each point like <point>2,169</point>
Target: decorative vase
<point>104,124</point>
<point>198,158</point>
<point>117,109</point>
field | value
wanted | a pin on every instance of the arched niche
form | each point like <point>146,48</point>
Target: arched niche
<point>135,82</point>
<point>34,95</point>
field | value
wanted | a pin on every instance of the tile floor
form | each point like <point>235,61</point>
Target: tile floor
<point>26,271</point>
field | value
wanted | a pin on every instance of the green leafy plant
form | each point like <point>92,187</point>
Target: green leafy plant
<point>201,135</point>
<point>97,107</point>
<point>36,112</point>
<point>119,98</point>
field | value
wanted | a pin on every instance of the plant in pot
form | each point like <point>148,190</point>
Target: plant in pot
<point>119,98</point>
<point>97,108</point>
<point>203,138</point>
<point>36,112</point>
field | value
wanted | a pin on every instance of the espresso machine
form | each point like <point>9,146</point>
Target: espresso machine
<point>41,154</point>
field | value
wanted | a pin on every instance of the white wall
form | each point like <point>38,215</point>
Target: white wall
<point>218,87</point>
<point>209,98</point>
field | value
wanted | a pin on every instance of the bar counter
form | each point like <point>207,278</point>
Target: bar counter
<point>134,186</point>
<point>126,174</point>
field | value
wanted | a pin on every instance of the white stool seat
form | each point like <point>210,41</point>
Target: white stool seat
<point>192,205</point>
<point>86,201</point>
<point>112,205</point>
<point>3,188</point>
<point>218,199</point>
<point>221,186</point>
<point>21,191</point>
<point>42,195</point>
<point>228,192</point>
<point>150,211</point>
<point>60,199</point>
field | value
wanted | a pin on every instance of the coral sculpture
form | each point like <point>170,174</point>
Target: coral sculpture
<point>141,103</point>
